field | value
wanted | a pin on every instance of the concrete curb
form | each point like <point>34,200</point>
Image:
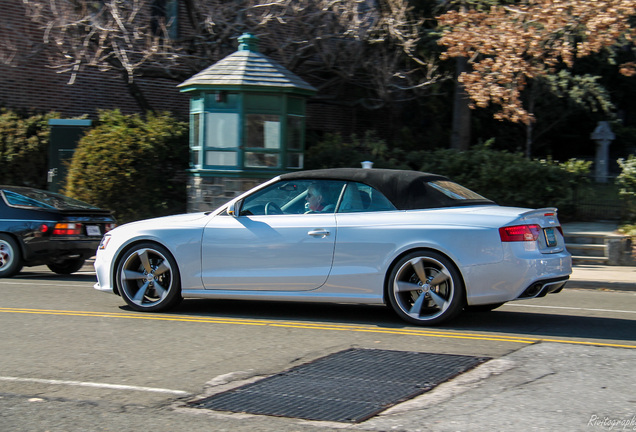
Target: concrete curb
<point>596,285</point>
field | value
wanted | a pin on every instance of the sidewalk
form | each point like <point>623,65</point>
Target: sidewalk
<point>594,276</point>
<point>544,387</point>
<point>622,278</point>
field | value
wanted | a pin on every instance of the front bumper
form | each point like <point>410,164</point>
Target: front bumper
<point>105,282</point>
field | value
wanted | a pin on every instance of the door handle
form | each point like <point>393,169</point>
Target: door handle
<point>322,233</point>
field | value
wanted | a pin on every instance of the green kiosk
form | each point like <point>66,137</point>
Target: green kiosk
<point>247,125</point>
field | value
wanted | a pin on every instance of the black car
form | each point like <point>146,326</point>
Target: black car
<point>39,227</point>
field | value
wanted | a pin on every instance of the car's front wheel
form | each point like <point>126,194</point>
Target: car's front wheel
<point>425,288</point>
<point>148,278</point>
<point>10,257</point>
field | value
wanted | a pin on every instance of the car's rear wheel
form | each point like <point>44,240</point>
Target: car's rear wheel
<point>10,256</point>
<point>425,288</point>
<point>148,278</point>
<point>67,266</point>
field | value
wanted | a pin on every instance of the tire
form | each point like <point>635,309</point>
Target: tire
<point>66,266</point>
<point>148,278</point>
<point>10,256</point>
<point>483,308</point>
<point>425,288</point>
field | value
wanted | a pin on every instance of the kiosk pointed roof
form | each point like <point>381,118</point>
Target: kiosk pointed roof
<point>247,69</point>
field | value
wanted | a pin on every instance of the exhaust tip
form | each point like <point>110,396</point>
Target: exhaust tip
<point>532,291</point>
<point>542,288</point>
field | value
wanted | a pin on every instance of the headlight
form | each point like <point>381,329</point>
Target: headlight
<point>104,242</point>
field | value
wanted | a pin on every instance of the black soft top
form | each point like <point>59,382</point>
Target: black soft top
<point>407,190</point>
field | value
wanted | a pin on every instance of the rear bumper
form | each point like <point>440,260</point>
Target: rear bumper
<point>517,278</point>
<point>543,287</point>
<point>45,251</point>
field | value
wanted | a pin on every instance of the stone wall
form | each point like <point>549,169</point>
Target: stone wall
<point>210,193</point>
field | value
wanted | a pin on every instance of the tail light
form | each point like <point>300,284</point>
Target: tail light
<point>109,226</point>
<point>519,233</point>
<point>67,229</point>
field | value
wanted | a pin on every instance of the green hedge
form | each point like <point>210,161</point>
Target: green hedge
<point>133,166</point>
<point>24,143</point>
<point>507,178</point>
<point>626,181</point>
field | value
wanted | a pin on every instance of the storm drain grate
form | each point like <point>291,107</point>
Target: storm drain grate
<point>348,386</point>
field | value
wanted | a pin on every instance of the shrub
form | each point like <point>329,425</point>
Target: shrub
<point>132,166</point>
<point>507,178</point>
<point>24,143</point>
<point>581,168</point>
<point>626,181</point>
<point>334,151</point>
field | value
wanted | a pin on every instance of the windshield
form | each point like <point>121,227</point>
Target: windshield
<point>39,199</point>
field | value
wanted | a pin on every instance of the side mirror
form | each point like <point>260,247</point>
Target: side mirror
<point>234,208</point>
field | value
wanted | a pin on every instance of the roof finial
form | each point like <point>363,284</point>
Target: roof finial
<point>248,42</point>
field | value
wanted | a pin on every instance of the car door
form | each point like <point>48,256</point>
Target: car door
<point>366,235</point>
<point>277,250</point>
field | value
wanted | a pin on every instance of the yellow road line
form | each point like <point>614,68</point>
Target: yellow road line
<point>312,326</point>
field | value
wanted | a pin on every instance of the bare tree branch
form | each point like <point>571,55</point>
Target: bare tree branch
<point>335,44</point>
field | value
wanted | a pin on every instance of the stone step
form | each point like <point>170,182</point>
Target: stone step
<point>585,238</point>
<point>599,250</point>
<point>581,259</point>
<point>599,242</point>
<point>609,248</point>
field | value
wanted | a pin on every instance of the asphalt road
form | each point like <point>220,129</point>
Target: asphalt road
<point>74,359</point>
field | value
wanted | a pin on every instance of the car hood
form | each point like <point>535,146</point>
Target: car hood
<point>166,221</point>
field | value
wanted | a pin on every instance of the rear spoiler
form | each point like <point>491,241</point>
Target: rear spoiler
<point>87,212</point>
<point>542,212</point>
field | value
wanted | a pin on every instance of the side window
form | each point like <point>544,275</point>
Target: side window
<point>14,199</point>
<point>322,196</point>
<point>294,197</point>
<point>359,197</point>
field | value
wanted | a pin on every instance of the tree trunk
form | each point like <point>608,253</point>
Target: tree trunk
<point>460,134</point>
<point>529,126</point>
<point>528,152</point>
<point>137,94</point>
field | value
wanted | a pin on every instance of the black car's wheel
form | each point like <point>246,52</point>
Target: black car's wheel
<point>67,266</point>
<point>425,288</point>
<point>10,256</point>
<point>148,278</point>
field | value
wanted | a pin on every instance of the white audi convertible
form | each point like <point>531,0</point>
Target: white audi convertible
<point>418,242</point>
